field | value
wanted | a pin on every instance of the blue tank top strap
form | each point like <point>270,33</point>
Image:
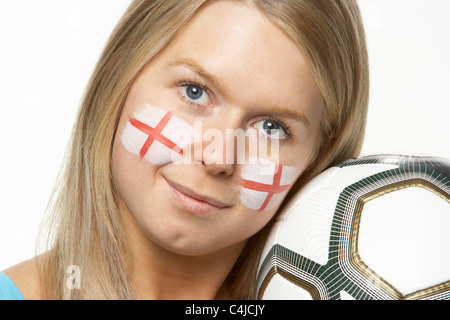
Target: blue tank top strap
<point>8,290</point>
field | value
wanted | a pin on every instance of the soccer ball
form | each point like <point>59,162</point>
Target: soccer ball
<point>374,228</point>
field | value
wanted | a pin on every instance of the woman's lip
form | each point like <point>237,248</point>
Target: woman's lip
<point>193,201</point>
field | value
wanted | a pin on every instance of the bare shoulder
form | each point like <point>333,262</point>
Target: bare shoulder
<point>25,276</point>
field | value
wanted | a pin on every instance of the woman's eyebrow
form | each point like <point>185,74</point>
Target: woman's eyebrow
<point>196,68</point>
<point>284,113</point>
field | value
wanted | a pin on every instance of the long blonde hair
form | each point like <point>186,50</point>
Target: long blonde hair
<point>85,223</point>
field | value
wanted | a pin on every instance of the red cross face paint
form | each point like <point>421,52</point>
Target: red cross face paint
<point>264,183</point>
<point>157,135</point>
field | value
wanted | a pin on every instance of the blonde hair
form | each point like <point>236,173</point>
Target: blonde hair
<point>85,221</point>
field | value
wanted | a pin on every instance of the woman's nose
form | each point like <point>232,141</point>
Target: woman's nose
<point>217,151</point>
<point>219,169</point>
<point>216,164</point>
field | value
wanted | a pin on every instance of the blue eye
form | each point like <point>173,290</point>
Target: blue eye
<point>271,128</point>
<point>195,94</point>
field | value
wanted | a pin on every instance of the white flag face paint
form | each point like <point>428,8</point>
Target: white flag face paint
<point>264,183</point>
<point>156,135</point>
<point>160,138</point>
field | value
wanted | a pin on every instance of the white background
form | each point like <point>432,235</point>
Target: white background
<point>48,49</point>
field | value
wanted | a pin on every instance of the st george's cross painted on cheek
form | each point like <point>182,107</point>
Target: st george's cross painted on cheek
<point>264,183</point>
<point>157,135</point>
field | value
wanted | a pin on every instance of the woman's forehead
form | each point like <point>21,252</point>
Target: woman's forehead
<point>252,59</point>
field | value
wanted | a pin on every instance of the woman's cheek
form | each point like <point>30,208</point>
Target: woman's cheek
<point>156,135</point>
<point>264,184</point>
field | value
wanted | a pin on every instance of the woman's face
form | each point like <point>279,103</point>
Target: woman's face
<point>182,181</point>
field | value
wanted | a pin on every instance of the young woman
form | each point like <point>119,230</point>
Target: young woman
<point>146,208</point>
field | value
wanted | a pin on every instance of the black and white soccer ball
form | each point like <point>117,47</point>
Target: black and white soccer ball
<point>372,228</point>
